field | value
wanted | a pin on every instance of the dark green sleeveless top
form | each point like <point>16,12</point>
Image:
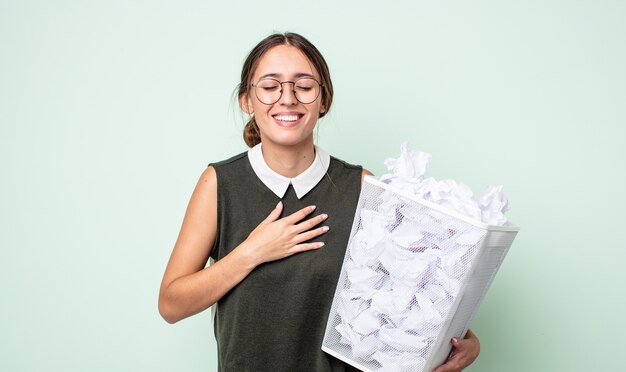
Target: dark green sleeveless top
<point>274,320</point>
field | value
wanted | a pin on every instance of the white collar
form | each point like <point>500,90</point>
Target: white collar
<point>302,183</point>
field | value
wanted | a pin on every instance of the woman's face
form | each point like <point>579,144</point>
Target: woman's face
<point>287,122</point>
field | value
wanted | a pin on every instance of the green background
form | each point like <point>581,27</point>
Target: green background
<point>110,111</point>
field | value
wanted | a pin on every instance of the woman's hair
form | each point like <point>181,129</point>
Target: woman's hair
<point>251,133</point>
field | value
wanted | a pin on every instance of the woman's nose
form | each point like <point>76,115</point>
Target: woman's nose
<point>288,95</point>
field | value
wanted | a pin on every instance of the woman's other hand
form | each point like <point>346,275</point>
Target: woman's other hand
<point>464,352</point>
<point>276,238</point>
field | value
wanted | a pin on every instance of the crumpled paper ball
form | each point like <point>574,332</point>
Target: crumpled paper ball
<point>407,173</point>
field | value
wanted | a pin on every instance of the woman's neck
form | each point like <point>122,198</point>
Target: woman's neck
<point>289,161</point>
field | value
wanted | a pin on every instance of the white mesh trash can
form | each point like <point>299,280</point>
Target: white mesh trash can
<point>413,277</point>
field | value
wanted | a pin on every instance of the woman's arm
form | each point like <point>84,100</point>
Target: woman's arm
<point>364,173</point>
<point>188,287</point>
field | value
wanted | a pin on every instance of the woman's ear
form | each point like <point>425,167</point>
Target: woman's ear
<point>246,104</point>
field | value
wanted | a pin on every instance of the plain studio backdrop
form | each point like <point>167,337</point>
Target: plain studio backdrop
<point>110,110</point>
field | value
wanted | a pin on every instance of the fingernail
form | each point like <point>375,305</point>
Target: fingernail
<point>326,228</point>
<point>313,207</point>
<point>320,244</point>
<point>324,216</point>
<point>279,204</point>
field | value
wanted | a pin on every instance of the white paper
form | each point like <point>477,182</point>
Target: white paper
<point>407,173</point>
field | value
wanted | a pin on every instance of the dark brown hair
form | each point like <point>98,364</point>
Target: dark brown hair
<point>251,133</point>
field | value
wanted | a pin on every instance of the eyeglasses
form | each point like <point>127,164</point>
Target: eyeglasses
<point>269,91</point>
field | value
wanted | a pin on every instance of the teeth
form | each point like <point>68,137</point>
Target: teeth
<point>286,117</point>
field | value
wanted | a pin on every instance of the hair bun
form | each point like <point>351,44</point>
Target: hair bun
<point>251,134</point>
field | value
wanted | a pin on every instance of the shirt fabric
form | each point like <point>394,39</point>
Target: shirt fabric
<point>274,320</point>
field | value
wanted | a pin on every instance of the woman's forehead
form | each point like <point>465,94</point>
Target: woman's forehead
<point>285,61</point>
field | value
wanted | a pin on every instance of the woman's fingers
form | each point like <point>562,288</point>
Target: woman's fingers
<point>295,217</point>
<point>306,247</point>
<point>310,234</point>
<point>310,223</point>
<point>278,237</point>
<point>292,221</point>
<point>274,214</point>
<point>464,352</point>
<point>304,229</point>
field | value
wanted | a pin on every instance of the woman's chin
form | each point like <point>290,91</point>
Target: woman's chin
<point>290,140</point>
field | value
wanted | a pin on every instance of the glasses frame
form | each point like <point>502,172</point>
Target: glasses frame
<point>255,85</point>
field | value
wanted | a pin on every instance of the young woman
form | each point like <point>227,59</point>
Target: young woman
<point>276,220</point>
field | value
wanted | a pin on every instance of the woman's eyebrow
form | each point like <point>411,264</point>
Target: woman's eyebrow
<point>304,74</point>
<point>277,75</point>
<point>270,75</point>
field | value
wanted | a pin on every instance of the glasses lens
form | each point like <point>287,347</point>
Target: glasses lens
<point>267,91</point>
<point>306,90</point>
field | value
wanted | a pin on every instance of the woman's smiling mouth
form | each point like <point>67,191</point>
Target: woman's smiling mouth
<point>287,120</point>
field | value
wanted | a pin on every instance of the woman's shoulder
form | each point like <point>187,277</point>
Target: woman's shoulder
<point>232,160</point>
<point>344,164</point>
